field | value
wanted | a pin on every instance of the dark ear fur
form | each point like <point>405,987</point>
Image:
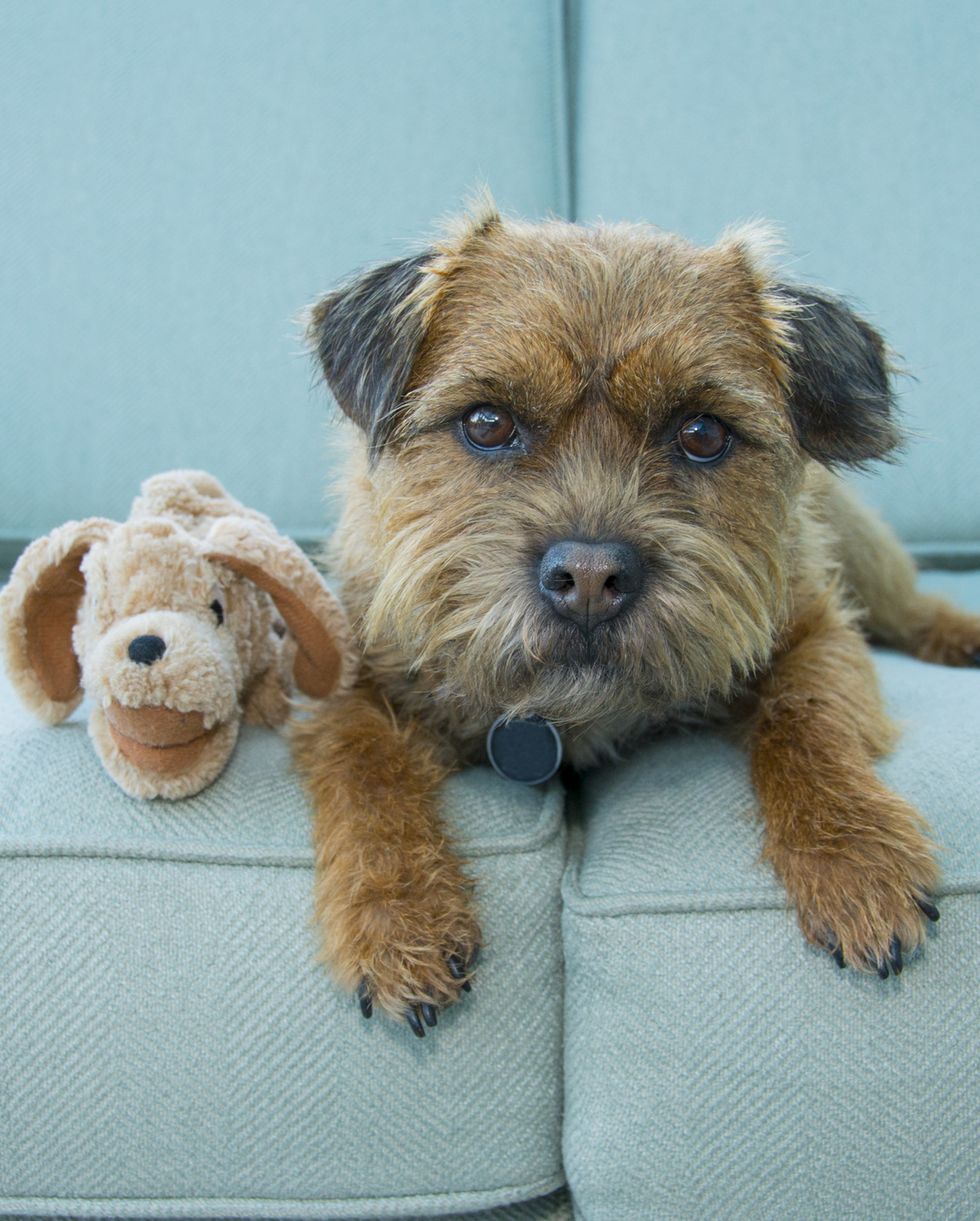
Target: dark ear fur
<point>366,343</point>
<point>840,397</point>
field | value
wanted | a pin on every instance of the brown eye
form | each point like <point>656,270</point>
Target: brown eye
<point>487,427</point>
<point>704,439</point>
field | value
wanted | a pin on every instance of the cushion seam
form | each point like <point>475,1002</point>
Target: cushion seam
<point>538,1188</point>
<point>550,822</point>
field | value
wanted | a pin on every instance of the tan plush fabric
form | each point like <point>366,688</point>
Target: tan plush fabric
<point>178,622</point>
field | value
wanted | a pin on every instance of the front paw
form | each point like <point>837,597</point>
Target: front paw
<point>404,945</point>
<point>420,1014</point>
<point>865,896</point>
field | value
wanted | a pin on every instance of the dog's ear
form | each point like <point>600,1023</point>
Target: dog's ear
<point>366,336</point>
<point>38,610</point>
<point>839,395</point>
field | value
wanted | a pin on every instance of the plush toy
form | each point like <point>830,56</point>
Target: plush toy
<point>178,622</point>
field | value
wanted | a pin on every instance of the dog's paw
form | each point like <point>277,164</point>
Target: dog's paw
<point>421,1014</point>
<point>405,942</point>
<point>870,958</point>
<point>864,893</point>
<point>950,638</point>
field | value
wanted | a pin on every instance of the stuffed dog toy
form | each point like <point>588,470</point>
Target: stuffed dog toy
<point>178,622</point>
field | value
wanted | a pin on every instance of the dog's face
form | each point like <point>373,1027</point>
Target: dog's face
<point>586,452</point>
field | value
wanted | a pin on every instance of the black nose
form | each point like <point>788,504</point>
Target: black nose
<point>146,649</point>
<point>590,582</point>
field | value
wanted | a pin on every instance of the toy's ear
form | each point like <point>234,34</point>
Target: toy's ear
<point>312,614</point>
<point>840,398</point>
<point>366,336</point>
<point>38,609</point>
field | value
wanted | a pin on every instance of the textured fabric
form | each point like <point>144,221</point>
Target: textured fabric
<point>849,125</point>
<point>181,179</point>
<point>715,1065</point>
<point>169,1047</point>
<point>554,1207</point>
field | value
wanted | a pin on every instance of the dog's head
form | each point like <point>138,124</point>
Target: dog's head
<point>585,451</point>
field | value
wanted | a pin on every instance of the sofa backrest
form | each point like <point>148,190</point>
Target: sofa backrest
<point>855,128</point>
<point>181,179</point>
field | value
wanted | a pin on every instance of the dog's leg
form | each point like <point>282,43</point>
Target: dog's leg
<point>392,900</point>
<point>882,576</point>
<point>852,854</point>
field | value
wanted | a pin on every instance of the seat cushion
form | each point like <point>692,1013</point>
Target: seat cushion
<point>715,1064</point>
<point>169,1046</point>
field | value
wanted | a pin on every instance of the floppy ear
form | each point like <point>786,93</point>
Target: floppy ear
<point>311,612</point>
<point>366,336</point>
<point>38,609</point>
<point>840,398</point>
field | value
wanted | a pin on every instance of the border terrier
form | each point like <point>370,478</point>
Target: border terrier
<point>596,485</point>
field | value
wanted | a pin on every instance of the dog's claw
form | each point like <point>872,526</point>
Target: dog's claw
<point>895,956</point>
<point>928,908</point>
<point>364,999</point>
<point>880,965</point>
<point>430,1014</point>
<point>457,969</point>
<point>415,1021</point>
<point>838,956</point>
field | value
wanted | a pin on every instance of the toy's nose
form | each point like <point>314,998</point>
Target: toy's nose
<point>146,649</point>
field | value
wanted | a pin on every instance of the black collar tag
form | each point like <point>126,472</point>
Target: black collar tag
<point>525,750</point>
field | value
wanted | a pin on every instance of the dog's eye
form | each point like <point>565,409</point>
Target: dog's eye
<point>219,611</point>
<point>704,439</point>
<point>487,427</point>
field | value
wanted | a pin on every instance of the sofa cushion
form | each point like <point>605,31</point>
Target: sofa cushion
<point>715,1064</point>
<point>169,1047</point>
<point>181,179</point>
<point>847,125</point>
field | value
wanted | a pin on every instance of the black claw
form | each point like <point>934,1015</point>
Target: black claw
<point>458,971</point>
<point>413,1019</point>
<point>838,957</point>
<point>895,956</point>
<point>881,967</point>
<point>430,1014</point>
<point>928,908</point>
<point>364,999</point>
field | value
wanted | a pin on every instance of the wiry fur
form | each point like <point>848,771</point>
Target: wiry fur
<point>758,572</point>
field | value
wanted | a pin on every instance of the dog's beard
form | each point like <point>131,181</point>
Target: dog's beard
<point>483,639</point>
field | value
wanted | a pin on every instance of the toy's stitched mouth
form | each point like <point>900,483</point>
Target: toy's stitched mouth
<point>159,739</point>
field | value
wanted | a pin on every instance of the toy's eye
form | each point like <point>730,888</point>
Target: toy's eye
<point>219,611</point>
<point>486,427</point>
<point>704,439</point>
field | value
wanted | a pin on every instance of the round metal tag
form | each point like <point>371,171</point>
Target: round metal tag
<point>525,750</point>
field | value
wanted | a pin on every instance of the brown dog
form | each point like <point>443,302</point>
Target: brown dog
<point>595,487</point>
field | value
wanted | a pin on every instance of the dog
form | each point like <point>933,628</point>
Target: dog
<point>596,485</point>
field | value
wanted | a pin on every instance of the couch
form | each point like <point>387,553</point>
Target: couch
<point>649,1036</point>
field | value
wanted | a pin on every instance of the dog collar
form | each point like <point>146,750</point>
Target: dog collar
<point>527,749</point>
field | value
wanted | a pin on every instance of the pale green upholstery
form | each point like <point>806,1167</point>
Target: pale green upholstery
<point>849,125</point>
<point>715,1065</point>
<point>181,179</point>
<point>170,1047</point>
